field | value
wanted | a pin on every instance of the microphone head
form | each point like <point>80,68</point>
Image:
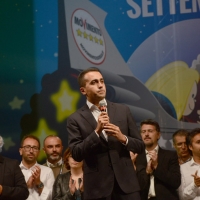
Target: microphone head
<point>102,103</point>
<point>102,106</point>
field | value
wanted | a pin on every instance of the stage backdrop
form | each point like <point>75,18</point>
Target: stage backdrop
<point>147,50</point>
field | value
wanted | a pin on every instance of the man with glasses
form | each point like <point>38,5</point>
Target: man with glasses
<point>179,142</point>
<point>39,179</point>
<point>158,170</point>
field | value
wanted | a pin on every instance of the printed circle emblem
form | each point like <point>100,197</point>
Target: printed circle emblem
<point>88,36</point>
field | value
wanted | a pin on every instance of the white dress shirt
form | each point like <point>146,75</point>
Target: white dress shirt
<point>188,190</point>
<point>152,186</point>
<point>46,177</point>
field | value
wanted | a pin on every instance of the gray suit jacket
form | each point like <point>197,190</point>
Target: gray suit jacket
<point>104,161</point>
<point>12,180</point>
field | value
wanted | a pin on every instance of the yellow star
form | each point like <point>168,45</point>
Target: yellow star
<point>65,101</point>
<point>85,35</point>
<point>101,42</point>
<point>91,37</point>
<point>8,143</point>
<point>96,40</point>
<point>79,33</point>
<point>42,132</point>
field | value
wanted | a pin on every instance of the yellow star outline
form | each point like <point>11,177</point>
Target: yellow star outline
<point>65,101</point>
<point>42,132</point>
<point>96,40</point>
<point>91,37</point>
<point>101,42</point>
<point>85,35</point>
<point>79,33</point>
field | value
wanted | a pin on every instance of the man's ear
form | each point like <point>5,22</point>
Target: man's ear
<point>82,89</point>
<point>20,151</point>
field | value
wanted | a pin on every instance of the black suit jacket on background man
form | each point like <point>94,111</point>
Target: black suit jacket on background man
<point>12,180</point>
<point>167,177</point>
<point>104,160</point>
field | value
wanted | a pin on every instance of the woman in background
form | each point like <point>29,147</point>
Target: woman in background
<point>69,186</point>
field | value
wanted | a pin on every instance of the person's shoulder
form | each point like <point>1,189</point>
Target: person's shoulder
<point>10,160</point>
<point>168,152</point>
<point>119,105</point>
<point>78,111</point>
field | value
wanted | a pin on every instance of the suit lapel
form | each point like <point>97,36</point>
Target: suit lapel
<point>2,165</point>
<point>86,113</point>
<point>111,111</point>
<point>161,155</point>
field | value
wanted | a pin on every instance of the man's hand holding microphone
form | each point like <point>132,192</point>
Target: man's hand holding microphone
<point>103,123</point>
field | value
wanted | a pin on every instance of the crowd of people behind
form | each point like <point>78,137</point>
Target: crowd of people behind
<point>106,158</point>
<point>158,170</point>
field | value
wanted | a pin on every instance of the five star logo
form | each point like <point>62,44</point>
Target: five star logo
<point>88,36</point>
<point>65,101</point>
<point>16,103</point>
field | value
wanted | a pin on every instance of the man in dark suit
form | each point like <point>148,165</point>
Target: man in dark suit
<point>157,169</point>
<point>103,140</point>
<point>12,182</point>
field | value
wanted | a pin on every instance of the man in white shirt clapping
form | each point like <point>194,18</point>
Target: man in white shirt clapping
<point>39,179</point>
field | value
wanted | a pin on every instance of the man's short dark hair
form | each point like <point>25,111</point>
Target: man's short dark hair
<point>32,137</point>
<point>180,132</point>
<point>192,134</point>
<point>81,80</point>
<point>151,122</point>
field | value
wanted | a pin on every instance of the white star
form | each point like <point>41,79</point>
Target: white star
<point>66,101</point>
<point>16,103</point>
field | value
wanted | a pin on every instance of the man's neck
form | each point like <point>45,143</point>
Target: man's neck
<point>150,148</point>
<point>54,162</point>
<point>185,158</point>
<point>76,172</point>
<point>28,165</point>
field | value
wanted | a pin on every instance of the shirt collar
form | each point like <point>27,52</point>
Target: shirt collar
<point>156,149</point>
<point>59,163</point>
<point>23,167</point>
<point>91,106</point>
<point>192,162</point>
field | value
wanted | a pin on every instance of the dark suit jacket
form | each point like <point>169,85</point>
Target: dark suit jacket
<point>167,177</point>
<point>104,160</point>
<point>12,180</point>
<point>61,188</point>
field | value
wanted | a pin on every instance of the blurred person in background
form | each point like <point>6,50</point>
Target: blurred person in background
<point>179,142</point>
<point>53,148</point>
<point>12,182</point>
<point>69,186</point>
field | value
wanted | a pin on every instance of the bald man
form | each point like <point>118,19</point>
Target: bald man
<point>53,149</point>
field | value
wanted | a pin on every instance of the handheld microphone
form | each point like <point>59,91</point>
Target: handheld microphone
<point>102,106</point>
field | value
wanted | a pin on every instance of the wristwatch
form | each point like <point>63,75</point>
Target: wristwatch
<point>41,185</point>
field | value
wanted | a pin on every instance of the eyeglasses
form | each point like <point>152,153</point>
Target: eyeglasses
<point>28,148</point>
